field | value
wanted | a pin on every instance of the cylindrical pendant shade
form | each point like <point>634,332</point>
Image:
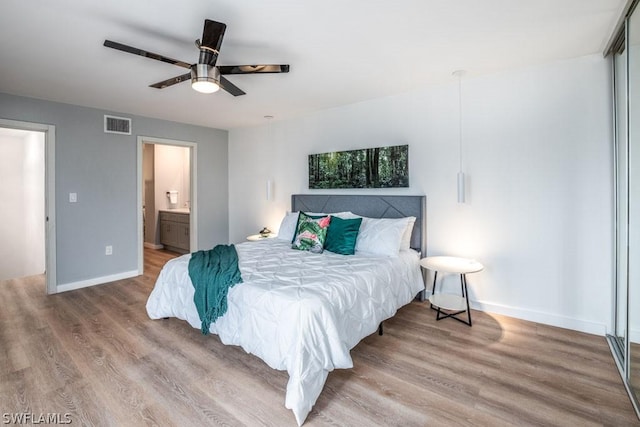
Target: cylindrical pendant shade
<point>460,187</point>
<point>461,195</point>
<point>269,189</point>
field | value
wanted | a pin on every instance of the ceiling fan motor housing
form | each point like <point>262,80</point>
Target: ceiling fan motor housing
<point>207,55</point>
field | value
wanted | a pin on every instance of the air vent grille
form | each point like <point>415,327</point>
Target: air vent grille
<point>120,125</point>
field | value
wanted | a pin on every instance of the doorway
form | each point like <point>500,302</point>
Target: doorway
<point>28,178</point>
<point>158,195</point>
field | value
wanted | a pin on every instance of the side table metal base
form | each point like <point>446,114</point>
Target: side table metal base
<point>454,315</point>
<point>442,315</point>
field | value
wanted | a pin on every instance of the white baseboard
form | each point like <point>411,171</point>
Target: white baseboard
<point>96,281</point>
<point>541,317</point>
<point>152,245</point>
<point>634,335</point>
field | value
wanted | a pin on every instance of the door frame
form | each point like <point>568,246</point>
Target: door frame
<point>193,198</point>
<point>49,194</point>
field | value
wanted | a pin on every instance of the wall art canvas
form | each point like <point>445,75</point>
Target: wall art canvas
<point>381,167</point>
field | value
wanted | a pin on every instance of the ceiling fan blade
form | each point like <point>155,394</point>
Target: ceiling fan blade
<point>253,69</point>
<point>171,81</point>
<point>136,51</point>
<point>230,87</point>
<point>212,35</point>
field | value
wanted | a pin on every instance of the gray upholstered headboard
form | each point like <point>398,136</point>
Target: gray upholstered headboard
<point>371,206</point>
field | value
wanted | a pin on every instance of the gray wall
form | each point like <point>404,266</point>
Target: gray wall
<point>101,168</point>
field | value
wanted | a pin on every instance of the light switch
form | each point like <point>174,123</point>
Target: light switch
<point>73,197</point>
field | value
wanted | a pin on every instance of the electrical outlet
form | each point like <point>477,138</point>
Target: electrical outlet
<point>108,250</point>
<point>73,197</point>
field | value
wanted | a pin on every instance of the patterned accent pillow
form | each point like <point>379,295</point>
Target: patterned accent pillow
<point>311,233</point>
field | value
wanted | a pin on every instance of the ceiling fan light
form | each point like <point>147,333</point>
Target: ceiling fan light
<point>205,78</point>
<point>205,86</point>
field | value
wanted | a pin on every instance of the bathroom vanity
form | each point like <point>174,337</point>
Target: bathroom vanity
<point>174,230</point>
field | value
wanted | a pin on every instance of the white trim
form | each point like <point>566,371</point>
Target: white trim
<point>542,317</point>
<point>559,321</point>
<point>140,225</point>
<point>50,206</point>
<point>193,202</point>
<point>193,198</point>
<point>97,281</point>
<point>50,194</point>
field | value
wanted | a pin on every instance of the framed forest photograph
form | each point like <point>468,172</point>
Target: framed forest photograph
<point>381,167</point>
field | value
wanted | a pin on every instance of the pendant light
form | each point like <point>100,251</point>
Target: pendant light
<point>461,178</point>
<point>270,137</point>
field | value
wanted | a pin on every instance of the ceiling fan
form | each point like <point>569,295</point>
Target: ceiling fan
<point>205,75</point>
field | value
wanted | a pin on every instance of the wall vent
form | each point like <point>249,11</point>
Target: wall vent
<point>120,125</point>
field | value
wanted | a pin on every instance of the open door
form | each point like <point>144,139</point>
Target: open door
<point>49,195</point>
<point>147,218</point>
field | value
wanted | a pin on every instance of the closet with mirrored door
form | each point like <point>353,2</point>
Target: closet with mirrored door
<point>624,339</point>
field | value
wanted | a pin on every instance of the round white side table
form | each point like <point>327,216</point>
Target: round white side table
<point>456,304</point>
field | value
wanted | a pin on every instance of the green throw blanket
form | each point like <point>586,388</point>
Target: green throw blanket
<point>212,273</point>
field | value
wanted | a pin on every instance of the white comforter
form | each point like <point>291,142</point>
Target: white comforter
<point>296,310</point>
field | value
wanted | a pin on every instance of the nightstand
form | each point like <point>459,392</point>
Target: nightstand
<point>455,304</point>
<point>257,237</point>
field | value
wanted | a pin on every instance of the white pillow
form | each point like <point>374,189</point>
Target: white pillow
<point>381,236</point>
<point>345,215</point>
<point>405,244</point>
<point>288,226</point>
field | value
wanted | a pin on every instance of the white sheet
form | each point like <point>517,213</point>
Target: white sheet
<point>297,311</point>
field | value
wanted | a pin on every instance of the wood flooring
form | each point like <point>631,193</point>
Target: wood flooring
<point>94,354</point>
<point>634,379</point>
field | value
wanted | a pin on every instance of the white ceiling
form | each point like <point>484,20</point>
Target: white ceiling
<point>340,52</point>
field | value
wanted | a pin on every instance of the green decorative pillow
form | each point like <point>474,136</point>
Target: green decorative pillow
<point>342,235</point>
<point>311,233</point>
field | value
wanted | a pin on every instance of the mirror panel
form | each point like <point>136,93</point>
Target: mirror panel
<point>620,87</point>
<point>633,76</point>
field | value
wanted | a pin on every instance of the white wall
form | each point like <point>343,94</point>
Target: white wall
<point>33,207</point>
<point>537,154</point>
<point>22,226</point>
<point>171,172</point>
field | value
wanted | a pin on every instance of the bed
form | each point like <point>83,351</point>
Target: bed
<point>303,312</point>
